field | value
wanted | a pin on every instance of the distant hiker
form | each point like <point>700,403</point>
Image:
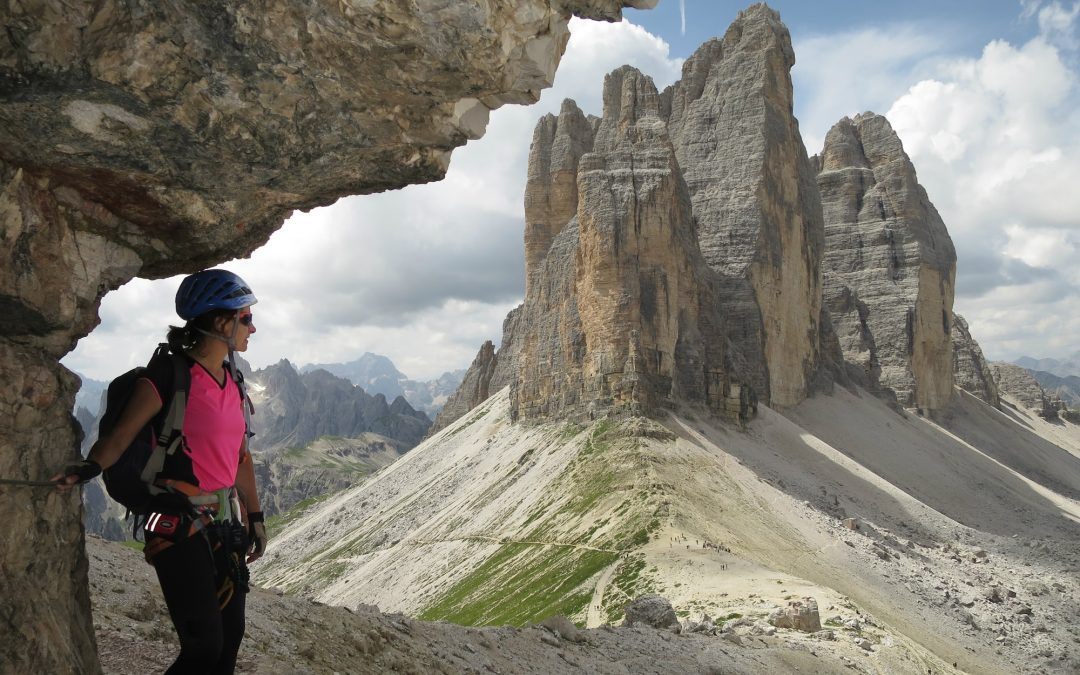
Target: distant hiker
<point>203,523</point>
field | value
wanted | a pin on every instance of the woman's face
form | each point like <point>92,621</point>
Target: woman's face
<point>243,323</point>
<point>245,328</point>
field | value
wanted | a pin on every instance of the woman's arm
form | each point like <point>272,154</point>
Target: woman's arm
<point>245,480</point>
<point>245,485</point>
<point>142,407</point>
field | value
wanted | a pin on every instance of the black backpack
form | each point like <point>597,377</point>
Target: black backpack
<point>130,480</point>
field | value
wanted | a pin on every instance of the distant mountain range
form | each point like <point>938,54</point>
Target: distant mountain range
<point>374,373</point>
<point>1060,377</point>
<point>1063,367</point>
<point>377,375</point>
<point>1065,388</point>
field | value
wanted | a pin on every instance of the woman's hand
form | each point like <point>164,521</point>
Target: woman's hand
<point>257,536</point>
<point>76,474</point>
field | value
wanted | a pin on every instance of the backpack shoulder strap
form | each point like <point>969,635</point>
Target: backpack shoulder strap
<point>171,434</point>
<point>245,400</point>
<point>174,418</point>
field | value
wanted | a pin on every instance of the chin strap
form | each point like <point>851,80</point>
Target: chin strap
<point>230,341</point>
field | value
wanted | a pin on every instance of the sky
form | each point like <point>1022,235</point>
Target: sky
<point>984,94</point>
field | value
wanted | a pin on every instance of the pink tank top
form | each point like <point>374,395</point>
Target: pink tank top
<point>213,429</point>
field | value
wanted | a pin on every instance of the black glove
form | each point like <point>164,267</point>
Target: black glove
<point>256,535</point>
<point>86,471</point>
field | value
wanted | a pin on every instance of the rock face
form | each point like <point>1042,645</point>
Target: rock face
<point>622,310</point>
<point>970,368</point>
<point>474,389</point>
<point>673,247</point>
<point>142,138</point>
<point>755,204</point>
<point>889,265</point>
<point>1017,382</point>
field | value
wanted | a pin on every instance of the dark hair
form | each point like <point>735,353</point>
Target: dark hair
<point>183,338</point>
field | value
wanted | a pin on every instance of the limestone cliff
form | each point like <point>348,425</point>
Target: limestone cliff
<point>673,247</point>
<point>622,304</point>
<point>1019,384</point>
<point>970,368</point>
<point>889,264</point>
<point>147,138</point>
<point>755,203</point>
<point>473,391</point>
<point>551,195</point>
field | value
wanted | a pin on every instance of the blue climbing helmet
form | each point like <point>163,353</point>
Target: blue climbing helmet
<point>212,289</point>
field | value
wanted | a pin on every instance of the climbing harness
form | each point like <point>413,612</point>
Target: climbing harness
<point>218,519</point>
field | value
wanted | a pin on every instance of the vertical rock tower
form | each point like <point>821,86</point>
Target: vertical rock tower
<point>684,248</point>
<point>673,247</point>
<point>754,198</point>
<point>619,298</point>
<point>890,265</point>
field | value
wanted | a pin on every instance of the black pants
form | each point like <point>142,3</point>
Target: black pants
<point>209,637</point>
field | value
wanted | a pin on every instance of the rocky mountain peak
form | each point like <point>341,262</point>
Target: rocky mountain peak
<point>889,265</point>
<point>673,247</point>
<point>551,188</point>
<point>629,97</point>
<point>754,201</point>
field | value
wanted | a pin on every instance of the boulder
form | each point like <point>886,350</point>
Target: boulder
<point>651,610</point>
<point>801,615</point>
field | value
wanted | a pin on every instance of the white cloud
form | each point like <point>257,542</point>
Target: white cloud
<point>995,143</point>
<point>1057,22</point>
<point>843,74</point>
<point>1042,248</point>
<point>422,275</point>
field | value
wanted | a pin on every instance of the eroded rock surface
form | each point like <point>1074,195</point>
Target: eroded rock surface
<point>970,368</point>
<point>146,138</point>
<point>754,199</point>
<point>474,389</point>
<point>1020,384</point>
<point>889,264</point>
<point>673,247</point>
<point>622,312</point>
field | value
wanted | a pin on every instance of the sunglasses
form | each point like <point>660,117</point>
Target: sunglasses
<point>247,319</point>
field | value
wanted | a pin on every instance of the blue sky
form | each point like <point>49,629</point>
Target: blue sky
<point>984,94</point>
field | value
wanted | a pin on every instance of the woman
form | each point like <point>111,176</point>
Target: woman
<point>197,544</point>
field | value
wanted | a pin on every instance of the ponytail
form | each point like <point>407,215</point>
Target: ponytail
<point>182,338</point>
<point>185,338</point>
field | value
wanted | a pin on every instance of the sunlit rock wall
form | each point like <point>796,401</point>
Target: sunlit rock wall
<point>755,202</point>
